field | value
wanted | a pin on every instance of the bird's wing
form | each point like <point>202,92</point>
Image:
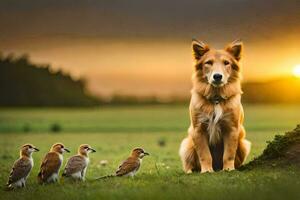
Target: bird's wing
<point>129,165</point>
<point>51,164</point>
<point>74,164</point>
<point>20,169</point>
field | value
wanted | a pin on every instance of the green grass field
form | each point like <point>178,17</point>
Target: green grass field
<point>113,132</point>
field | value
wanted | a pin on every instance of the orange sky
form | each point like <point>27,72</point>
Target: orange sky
<point>153,67</point>
<point>143,47</point>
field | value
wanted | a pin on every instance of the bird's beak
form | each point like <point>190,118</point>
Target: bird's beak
<point>67,150</point>
<point>92,150</point>
<point>35,149</point>
<point>146,154</point>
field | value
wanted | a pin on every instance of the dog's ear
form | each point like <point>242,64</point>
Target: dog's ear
<point>235,49</point>
<point>199,49</point>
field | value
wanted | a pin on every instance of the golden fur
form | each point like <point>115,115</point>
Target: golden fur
<point>216,136</point>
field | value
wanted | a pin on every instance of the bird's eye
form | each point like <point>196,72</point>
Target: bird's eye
<point>209,62</point>
<point>226,62</point>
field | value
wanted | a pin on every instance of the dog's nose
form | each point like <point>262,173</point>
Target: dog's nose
<point>217,77</point>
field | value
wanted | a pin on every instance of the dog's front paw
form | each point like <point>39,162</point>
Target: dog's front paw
<point>228,165</point>
<point>228,168</point>
<point>207,170</point>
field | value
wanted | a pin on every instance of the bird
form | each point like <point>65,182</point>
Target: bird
<point>51,164</point>
<point>77,165</point>
<point>131,165</point>
<point>22,167</point>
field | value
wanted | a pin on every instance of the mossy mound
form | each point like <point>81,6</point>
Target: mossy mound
<point>284,150</point>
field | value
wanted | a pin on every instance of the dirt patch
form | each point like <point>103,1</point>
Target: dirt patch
<point>283,150</point>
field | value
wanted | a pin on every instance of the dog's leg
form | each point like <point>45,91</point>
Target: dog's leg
<point>188,156</point>
<point>202,148</point>
<point>230,148</point>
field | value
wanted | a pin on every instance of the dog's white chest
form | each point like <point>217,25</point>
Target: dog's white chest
<point>218,112</point>
<point>214,128</point>
<point>212,121</point>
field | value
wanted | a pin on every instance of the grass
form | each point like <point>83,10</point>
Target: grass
<point>113,132</point>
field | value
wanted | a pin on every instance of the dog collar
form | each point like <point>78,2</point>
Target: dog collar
<point>216,99</point>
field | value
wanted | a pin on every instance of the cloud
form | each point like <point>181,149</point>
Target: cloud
<point>135,18</point>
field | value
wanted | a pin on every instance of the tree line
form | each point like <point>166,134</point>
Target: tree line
<point>23,83</point>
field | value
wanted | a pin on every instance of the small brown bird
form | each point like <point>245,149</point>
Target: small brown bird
<point>131,165</point>
<point>22,167</point>
<point>51,164</point>
<point>77,165</point>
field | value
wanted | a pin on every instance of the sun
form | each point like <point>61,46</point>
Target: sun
<point>296,71</point>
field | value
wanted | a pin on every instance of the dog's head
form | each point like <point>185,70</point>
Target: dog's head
<point>217,67</point>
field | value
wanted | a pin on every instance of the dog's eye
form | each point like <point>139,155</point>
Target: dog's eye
<point>209,62</point>
<point>226,62</point>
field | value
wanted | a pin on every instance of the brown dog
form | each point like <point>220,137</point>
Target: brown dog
<point>216,136</point>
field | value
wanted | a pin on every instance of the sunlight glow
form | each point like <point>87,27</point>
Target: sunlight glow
<point>296,71</point>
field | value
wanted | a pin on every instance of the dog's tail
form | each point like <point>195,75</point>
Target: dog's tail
<point>242,152</point>
<point>105,177</point>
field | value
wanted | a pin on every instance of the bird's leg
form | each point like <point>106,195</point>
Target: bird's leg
<point>131,175</point>
<point>83,174</point>
<point>57,179</point>
<point>23,183</point>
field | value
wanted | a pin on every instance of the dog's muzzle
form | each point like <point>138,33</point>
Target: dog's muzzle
<point>217,80</point>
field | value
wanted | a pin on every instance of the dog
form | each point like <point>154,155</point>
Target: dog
<point>216,136</point>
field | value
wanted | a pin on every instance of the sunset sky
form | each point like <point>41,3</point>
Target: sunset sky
<point>140,47</point>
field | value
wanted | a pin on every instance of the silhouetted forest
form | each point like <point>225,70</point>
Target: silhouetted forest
<point>25,84</point>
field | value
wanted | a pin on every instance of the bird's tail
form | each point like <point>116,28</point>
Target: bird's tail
<point>8,187</point>
<point>107,176</point>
